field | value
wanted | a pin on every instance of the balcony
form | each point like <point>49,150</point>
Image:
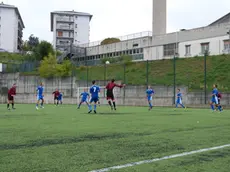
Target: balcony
<point>65,36</point>
<point>67,28</point>
<point>20,43</point>
<point>20,34</point>
<point>65,19</point>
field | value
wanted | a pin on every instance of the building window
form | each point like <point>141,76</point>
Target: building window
<point>170,49</point>
<point>141,50</point>
<point>60,34</point>
<point>187,50</point>
<point>226,44</point>
<point>204,47</point>
<point>135,45</point>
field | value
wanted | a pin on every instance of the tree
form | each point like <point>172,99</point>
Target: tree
<point>25,46</point>
<point>126,59</point>
<point>64,69</point>
<point>110,41</point>
<point>43,49</point>
<point>50,68</point>
<point>32,42</point>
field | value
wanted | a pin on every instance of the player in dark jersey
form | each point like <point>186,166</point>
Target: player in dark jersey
<point>11,94</point>
<point>219,106</point>
<point>109,93</point>
<point>56,94</point>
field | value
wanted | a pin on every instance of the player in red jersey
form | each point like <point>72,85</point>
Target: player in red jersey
<point>109,93</point>
<point>56,94</point>
<point>11,94</point>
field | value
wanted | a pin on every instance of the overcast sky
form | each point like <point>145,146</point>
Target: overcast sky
<point>119,17</point>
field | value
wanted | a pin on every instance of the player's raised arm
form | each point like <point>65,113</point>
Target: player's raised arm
<point>120,86</point>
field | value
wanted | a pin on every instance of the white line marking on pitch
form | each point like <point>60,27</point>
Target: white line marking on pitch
<point>160,159</point>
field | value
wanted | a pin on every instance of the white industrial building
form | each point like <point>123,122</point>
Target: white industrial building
<point>70,27</point>
<point>11,27</point>
<point>158,44</point>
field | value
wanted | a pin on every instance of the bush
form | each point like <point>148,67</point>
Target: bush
<point>50,68</point>
<point>110,41</point>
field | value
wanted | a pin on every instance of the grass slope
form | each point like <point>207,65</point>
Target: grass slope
<point>53,140</point>
<point>189,72</point>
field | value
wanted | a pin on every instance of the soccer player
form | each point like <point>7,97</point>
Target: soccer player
<point>109,93</point>
<point>94,91</point>
<point>150,93</point>
<point>84,97</point>
<point>56,93</point>
<point>11,94</point>
<point>60,98</point>
<point>40,96</point>
<point>219,97</point>
<point>214,99</point>
<point>179,99</point>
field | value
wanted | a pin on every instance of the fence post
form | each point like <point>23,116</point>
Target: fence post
<point>147,73</point>
<point>72,83</point>
<point>87,75</point>
<point>174,80</point>
<point>205,77</point>
<point>124,83</point>
<point>105,73</point>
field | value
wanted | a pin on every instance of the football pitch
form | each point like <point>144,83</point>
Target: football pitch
<point>64,139</point>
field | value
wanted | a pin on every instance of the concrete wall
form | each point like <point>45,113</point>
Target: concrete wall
<point>71,88</point>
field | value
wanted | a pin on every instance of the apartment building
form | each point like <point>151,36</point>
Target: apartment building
<point>70,27</point>
<point>11,28</point>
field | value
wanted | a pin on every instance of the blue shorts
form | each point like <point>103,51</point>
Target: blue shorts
<point>39,97</point>
<point>150,98</point>
<point>83,100</point>
<point>94,99</point>
<point>214,100</point>
<point>179,101</point>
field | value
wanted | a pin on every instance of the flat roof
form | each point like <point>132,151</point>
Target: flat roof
<point>69,13</point>
<point>2,5</point>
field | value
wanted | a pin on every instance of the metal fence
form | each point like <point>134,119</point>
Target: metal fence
<point>194,76</point>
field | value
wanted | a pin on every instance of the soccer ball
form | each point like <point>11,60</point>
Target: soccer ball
<point>107,62</point>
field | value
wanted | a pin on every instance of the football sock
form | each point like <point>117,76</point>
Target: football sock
<point>212,107</point>
<point>219,108</point>
<point>150,105</point>
<point>110,103</point>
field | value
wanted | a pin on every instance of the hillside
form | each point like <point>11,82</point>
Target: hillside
<point>189,72</point>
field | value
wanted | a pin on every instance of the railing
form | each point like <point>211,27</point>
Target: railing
<point>65,19</point>
<point>65,27</point>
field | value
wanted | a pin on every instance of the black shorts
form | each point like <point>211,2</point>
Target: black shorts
<point>109,95</point>
<point>10,98</point>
